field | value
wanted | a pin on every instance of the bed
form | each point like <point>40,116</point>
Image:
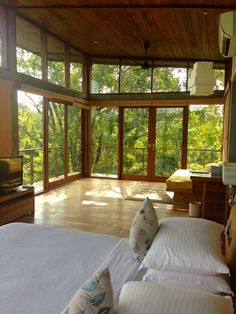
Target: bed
<point>43,267</point>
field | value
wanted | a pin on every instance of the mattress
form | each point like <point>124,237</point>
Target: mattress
<point>42,267</point>
<point>180,179</point>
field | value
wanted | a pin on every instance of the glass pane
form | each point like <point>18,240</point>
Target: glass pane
<point>167,79</point>
<point>56,141</point>
<point>105,78</point>
<point>220,79</point>
<point>135,141</point>
<point>105,142</point>
<point>134,79</point>
<point>76,73</point>
<point>169,125</point>
<point>28,49</point>
<point>205,132</point>
<point>56,61</point>
<point>30,130</point>
<point>74,140</point>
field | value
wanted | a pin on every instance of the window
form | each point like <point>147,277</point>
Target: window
<point>28,49</point>
<point>205,131</point>
<point>30,130</point>
<point>169,79</point>
<point>134,79</point>
<point>105,78</point>
<point>76,67</point>
<point>56,141</point>
<point>56,61</point>
<point>219,75</point>
<point>74,140</point>
<point>105,142</point>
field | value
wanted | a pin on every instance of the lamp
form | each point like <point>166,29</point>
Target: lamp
<point>201,81</point>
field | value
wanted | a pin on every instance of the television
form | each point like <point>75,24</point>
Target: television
<point>11,173</point>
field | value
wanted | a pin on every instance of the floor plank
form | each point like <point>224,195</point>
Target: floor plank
<point>95,205</point>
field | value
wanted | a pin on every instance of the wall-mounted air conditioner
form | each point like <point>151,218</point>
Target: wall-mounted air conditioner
<point>227,34</point>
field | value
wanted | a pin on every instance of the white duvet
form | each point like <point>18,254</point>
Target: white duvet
<point>42,267</point>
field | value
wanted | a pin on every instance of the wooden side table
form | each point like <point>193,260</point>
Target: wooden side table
<point>214,196</point>
<point>16,204</point>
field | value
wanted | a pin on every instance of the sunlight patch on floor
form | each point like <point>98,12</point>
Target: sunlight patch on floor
<point>113,193</point>
<point>86,202</point>
<point>53,198</point>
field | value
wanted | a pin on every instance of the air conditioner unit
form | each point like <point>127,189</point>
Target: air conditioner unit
<point>227,34</point>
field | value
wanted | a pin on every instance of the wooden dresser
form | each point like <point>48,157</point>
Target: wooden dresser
<point>211,191</point>
<point>16,204</point>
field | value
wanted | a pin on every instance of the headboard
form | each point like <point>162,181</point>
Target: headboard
<point>230,248</point>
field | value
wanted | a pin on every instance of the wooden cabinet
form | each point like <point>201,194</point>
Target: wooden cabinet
<point>213,196</point>
<point>16,204</point>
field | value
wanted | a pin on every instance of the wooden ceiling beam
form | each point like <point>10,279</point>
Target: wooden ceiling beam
<point>188,7</point>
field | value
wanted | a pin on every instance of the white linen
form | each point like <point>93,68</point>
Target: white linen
<point>158,298</point>
<point>42,267</point>
<point>218,284</point>
<point>189,245</point>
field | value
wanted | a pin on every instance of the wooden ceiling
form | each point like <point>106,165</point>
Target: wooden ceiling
<point>174,29</point>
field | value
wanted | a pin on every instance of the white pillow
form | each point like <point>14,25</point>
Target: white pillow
<point>218,284</point>
<point>94,297</point>
<point>157,298</point>
<point>191,245</point>
<point>143,230</point>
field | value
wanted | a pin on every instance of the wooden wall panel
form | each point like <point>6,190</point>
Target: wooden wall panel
<point>6,143</point>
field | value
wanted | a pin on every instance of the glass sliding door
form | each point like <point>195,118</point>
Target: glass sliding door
<point>30,131</point>
<point>168,140</point>
<point>74,140</point>
<point>135,142</point>
<point>104,142</point>
<point>56,141</point>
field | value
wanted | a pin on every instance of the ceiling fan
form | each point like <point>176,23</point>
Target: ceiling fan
<point>146,65</point>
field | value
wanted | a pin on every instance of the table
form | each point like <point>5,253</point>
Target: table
<point>213,196</point>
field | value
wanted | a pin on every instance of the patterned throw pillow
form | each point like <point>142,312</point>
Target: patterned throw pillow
<point>94,297</point>
<point>143,230</point>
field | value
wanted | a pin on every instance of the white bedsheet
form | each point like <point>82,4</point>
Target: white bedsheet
<point>42,267</point>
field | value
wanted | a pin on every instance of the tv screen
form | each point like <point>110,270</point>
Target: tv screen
<point>11,172</point>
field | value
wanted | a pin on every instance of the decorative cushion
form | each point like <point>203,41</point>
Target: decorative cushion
<point>218,284</point>
<point>188,245</point>
<point>143,230</point>
<point>94,297</point>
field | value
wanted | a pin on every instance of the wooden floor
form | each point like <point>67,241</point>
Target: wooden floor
<point>95,205</point>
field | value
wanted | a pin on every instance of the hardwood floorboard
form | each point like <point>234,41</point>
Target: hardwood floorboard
<point>95,205</point>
